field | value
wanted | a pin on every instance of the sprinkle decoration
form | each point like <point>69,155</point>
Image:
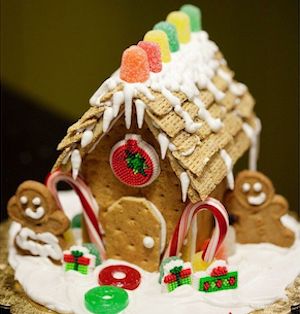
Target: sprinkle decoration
<point>182,23</point>
<point>159,37</point>
<point>106,300</point>
<point>218,283</point>
<point>187,217</point>
<point>134,65</point>
<point>171,32</point>
<point>79,259</point>
<point>134,162</point>
<point>90,208</point>
<point>153,53</point>
<point>130,278</point>
<point>176,273</point>
<point>194,14</point>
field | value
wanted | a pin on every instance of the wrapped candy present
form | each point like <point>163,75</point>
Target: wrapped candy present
<point>176,273</point>
<point>217,277</point>
<point>79,259</point>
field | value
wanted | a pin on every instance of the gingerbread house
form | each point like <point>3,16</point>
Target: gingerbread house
<point>158,136</point>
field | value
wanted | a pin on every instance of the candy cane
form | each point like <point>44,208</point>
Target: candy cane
<point>188,216</point>
<point>88,202</point>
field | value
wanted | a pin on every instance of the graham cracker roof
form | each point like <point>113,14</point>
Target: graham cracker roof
<point>197,153</point>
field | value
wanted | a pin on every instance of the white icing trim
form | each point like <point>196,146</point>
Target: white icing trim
<point>164,143</point>
<point>23,200</point>
<point>75,162</point>
<point>86,138</point>
<point>246,187</point>
<point>257,200</point>
<point>27,239</point>
<point>36,201</point>
<point>163,226</point>
<point>37,214</point>
<point>148,242</point>
<point>229,164</point>
<point>185,183</point>
<point>140,111</point>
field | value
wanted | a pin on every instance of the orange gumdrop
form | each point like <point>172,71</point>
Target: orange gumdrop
<point>134,65</point>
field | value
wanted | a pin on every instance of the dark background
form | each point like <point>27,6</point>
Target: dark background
<point>55,54</point>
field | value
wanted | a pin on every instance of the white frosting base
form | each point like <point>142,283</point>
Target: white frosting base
<point>263,277</point>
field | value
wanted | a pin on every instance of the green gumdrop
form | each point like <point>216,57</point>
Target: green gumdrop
<point>194,14</point>
<point>93,250</point>
<point>106,300</point>
<point>171,32</point>
<point>76,221</point>
<point>163,263</point>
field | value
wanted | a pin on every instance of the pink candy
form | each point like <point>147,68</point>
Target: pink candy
<point>134,65</point>
<point>154,55</point>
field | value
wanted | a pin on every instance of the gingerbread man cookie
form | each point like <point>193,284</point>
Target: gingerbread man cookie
<point>257,210</point>
<point>43,223</point>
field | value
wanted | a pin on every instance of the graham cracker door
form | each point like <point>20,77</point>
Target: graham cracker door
<point>135,231</point>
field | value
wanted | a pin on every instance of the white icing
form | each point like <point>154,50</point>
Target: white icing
<point>190,69</point>
<point>229,164</point>
<point>36,201</point>
<point>257,200</point>
<point>238,89</point>
<point>27,239</point>
<point>86,138</point>
<point>37,214</point>
<point>172,147</point>
<point>185,183</point>
<point>188,152</point>
<point>246,187</point>
<point>163,226</point>
<point>173,263</point>
<point>164,144</point>
<point>140,111</point>
<point>118,100</point>
<point>108,116</point>
<point>253,135</point>
<point>23,200</point>
<point>261,282</point>
<point>148,242</point>
<point>214,124</point>
<point>257,186</point>
<point>75,162</point>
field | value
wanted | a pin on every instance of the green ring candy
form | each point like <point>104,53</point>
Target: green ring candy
<point>106,300</point>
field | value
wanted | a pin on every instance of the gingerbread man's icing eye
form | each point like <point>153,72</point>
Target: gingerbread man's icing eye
<point>36,201</point>
<point>246,187</point>
<point>257,186</point>
<point>23,200</point>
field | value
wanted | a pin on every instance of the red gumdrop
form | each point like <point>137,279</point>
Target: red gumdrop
<point>154,55</point>
<point>134,65</point>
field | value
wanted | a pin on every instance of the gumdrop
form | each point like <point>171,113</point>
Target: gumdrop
<point>194,14</point>
<point>93,250</point>
<point>182,23</point>
<point>134,65</point>
<point>160,38</point>
<point>154,55</point>
<point>171,32</point>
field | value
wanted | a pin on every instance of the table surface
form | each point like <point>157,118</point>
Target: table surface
<point>13,297</point>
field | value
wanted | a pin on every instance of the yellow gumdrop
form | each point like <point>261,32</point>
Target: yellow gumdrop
<point>182,23</point>
<point>159,37</point>
<point>198,263</point>
<point>69,237</point>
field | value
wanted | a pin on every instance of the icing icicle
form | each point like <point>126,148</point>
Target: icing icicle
<point>107,118</point>
<point>164,144</point>
<point>228,162</point>
<point>128,94</point>
<point>254,136</point>
<point>76,163</point>
<point>87,138</point>
<point>140,111</point>
<point>185,183</point>
<point>118,100</point>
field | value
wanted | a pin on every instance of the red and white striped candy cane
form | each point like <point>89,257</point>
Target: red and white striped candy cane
<point>188,216</point>
<point>88,202</point>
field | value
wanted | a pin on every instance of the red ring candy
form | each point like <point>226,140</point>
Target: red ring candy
<point>108,276</point>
